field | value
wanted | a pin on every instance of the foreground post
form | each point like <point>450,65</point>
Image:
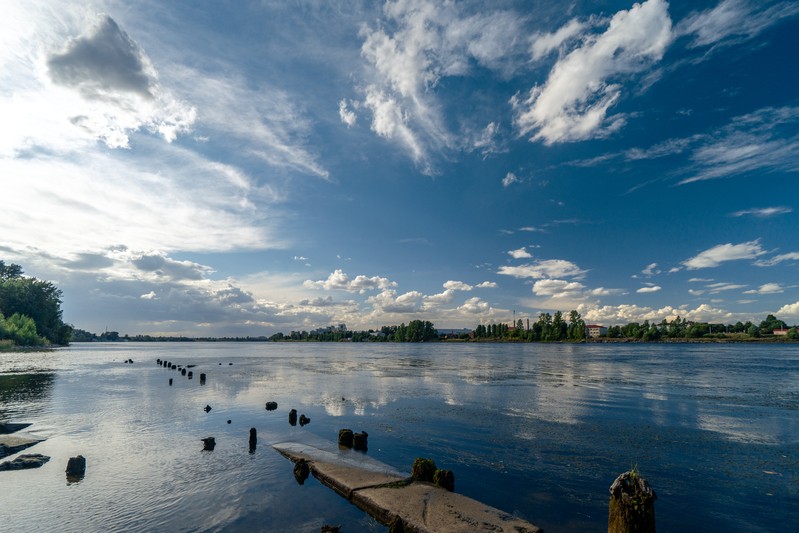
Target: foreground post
<point>632,505</point>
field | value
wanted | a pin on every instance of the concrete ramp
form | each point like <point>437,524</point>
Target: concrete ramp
<point>389,496</point>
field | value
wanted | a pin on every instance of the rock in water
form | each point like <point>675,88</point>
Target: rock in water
<point>76,468</point>
<point>271,406</point>
<point>209,443</point>
<point>207,408</point>
<point>293,417</point>
<point>304,420</point>
<point>23,462</point>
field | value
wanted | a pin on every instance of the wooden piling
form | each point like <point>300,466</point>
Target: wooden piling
<point>632,505</point>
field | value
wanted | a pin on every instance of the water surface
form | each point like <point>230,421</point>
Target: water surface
<point>540,431</point>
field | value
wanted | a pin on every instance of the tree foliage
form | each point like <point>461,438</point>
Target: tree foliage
<point>38,300</point>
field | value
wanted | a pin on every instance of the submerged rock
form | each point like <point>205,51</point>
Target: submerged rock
<point>76,468</point>
<point>23,462</point>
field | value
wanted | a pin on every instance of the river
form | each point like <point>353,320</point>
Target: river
<point>537,430</point>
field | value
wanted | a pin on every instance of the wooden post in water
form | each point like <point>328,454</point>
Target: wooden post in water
<point>632,505</point>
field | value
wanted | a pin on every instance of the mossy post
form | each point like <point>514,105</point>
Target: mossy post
<point>632,505</point>
<point>423,469</point>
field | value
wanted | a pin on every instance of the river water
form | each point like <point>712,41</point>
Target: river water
<point>539,431</point>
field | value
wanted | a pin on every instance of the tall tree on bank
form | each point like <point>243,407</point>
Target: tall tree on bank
<point>34,298</point>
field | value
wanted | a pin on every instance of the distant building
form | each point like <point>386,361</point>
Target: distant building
<point>595,331</point>
<point>781,331</point>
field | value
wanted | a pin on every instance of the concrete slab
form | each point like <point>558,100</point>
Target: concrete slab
<point>387,495</point>
<point>8,427</point>
<point>11,444</point>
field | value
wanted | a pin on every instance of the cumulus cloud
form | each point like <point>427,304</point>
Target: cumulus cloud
<point>763,212</point>
<point>789,310</point>
<point>457,286</point>
<point>646,290</point>
<point>574,103</point>
<point>625,313</point>
<point>520,253</point>
<point>162,266</point>
<point>558,288</point>
<point>339,280</point>
<point>721,253</point>
<point>389,302</point>
<point>486,285</point>
<point>549,268</point>
<point>475,306</point>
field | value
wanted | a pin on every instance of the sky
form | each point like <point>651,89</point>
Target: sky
<point>247,167</point>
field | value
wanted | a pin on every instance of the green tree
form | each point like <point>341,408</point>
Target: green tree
<point>576,328</point>
<point>37,299</point>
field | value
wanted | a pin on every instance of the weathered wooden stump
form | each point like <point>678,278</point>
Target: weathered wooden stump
<point>345,438</point>
<point>190,375</point>
<point>253,439</point>
<point>423,469</point>
<point>202,379</point>
<point>271,406</point>
<point>209,443</point>
<point>293,417</point>
<point>304,420</point>
<point>183,371</point>
<point>207,408</point>
<point>76,469</point>
<point>170,382</point>
<point>360,442</point>
<point>445,479</point>
<point>301,471</point>
<point>632,505</point>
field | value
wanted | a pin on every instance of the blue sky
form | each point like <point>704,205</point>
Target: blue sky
<point>242,168</point>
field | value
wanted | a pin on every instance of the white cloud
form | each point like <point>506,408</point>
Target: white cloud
<point>486,285</point>
<point>520,253</point>
<point>767,288</point>
<point>713,257</point>
<point>66,85</point>
<point>625,313</point>
<point>339,280</point>
<point>439,299</point>
<point>733,20</point>
<point>651,270</point>
<point>346,115</point>
<point>149,296</point>
<point>457,286</point>
<point>646,290</point>
<point>417,44</point>
<point>388,302</point>
<point>545,43</point>
<point>763,212</point>
<point>475,306</point>
<point>550,268</point>
<point>583,85</point>
<point>789,310</point>
<point>715,288</point>
<point>777,259</point>
<point>509,179</point>
<point>558,288</point>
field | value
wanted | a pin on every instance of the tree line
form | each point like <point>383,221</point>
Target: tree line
<point>414,331</point>
<point>30,310</point>
<point>553,328</point>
